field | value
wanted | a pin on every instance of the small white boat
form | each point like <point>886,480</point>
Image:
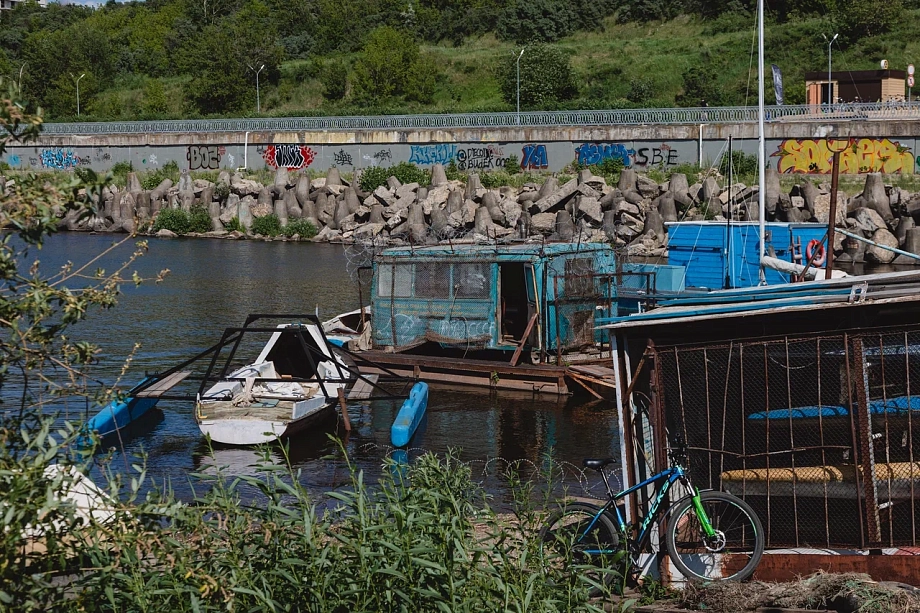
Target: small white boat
<point>351,327</point>
<point>293,384</point>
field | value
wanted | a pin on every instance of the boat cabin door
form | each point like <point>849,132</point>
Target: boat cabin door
<point>517,304</point>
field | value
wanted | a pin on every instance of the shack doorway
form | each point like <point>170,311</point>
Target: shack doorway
<point>513,304</point>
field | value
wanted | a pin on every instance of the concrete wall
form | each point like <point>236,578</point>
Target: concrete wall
<point>870,146</point>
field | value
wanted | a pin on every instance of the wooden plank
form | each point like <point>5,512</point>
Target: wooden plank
<point>363,387</point>
<point>597,381</point>
<point>594,371</point>
<point>517,352</point>
<point>587,387</point>
<point>163,385</point>
<point>389,360</point>
<point>485,380</point>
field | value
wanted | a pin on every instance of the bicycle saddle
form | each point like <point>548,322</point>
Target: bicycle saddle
<point>597,464</point>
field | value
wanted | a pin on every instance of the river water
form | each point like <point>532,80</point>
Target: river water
<point>217,283</point>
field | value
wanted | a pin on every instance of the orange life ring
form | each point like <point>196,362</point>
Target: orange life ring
<point>813,245</point>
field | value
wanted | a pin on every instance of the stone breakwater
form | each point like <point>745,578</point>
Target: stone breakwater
<point>631,215</point>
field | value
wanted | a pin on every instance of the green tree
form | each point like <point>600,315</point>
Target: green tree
<point>856,19</point>
<point>334,77</point>
<point>155,101</point>
<point>700,88</point>
<point>526,21</point>
<point>546,77</point>
<point>390,66</point>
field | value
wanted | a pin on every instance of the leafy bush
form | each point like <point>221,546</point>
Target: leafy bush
<point>300,227</point>
<point>334,78</point>
<point>390,66</point>
<point>221,191</point>
<point>174,220</point>
<point>743,164</point>
<point>152,178</point>
<point>410,173</point>
<point>120,172</point>
<point>546,77</point>
<point>267,225</point>
<point>452,172</point>
<point>373,177</point>
<point>494,178</point>
<point>199,220</point>
<point>235,225</point>
<point>610,167</point>
<point>512,165</point>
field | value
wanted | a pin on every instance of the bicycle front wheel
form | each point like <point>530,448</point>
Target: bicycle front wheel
<point>732,554</point>
<point>578,539</point>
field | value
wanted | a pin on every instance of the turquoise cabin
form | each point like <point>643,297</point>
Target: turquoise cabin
<point>489,297</point>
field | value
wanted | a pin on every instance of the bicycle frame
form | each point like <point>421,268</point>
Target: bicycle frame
<point>667,478</point>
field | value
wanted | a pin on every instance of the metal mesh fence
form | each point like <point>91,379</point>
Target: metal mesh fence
<point>817,433</point>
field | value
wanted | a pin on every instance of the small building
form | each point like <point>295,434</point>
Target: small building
<point>855,86</point>
<point>8,5</point>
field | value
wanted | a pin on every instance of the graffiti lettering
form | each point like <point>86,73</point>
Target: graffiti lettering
<point>384,155</point>
<point>342,158</point>
<point>462,329</point>
<point>480,158</point>
<point>292,157</point>
<point>101,155</point>
<point>655,156</point>
<point>432,154</point>
<point>13,160</point>
<point>857,156</point>
<point>590,154</point>
<point>203,157</point>
<point>59,159</point>
<point>153,160</point>
<point>534,157</point>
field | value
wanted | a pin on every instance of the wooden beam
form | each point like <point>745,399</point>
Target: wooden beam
<point>517,352</point>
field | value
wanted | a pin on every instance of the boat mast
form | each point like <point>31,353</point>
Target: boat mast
<point>761,155</point>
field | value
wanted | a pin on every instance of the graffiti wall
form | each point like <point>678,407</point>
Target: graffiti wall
<point>811,156</point>
<point>815,156</point>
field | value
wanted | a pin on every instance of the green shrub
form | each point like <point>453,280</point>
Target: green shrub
<point>120,172</point>
<point>373,177</point>
<point>452,172</point>
<point>221,191</point>
<point>512,165</point>
<point>199,220</point>
<point>174,220</point>
<point>152,178</point>
<point>494,178</point>
<point>410,173</point>
<point>610,168</point>
<point>743,164</point>
<point>692,171</point>
<point>235,225</point>
<point>334,79</point>
<point>300,227</point>
<point>267,225</point>
<point>546,77</point>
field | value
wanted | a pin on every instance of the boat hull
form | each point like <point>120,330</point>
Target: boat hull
<point>244,432</point>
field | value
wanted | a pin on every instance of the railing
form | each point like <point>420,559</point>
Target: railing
<point>694,116</point>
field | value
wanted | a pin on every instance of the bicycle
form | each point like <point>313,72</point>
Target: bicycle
<point>709,535</point>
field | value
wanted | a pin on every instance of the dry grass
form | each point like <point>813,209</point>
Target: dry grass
<point>821,591</point>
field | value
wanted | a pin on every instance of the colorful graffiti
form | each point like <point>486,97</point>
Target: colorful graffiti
<point>59,159</point>
<point>432,154</point>
<point>534,157</point>
<point>480,158</point>
<point>590,154</point>
<point>856,156</point>
<point>13,160</point>
<point>204,157</point>
<point>292,157</point>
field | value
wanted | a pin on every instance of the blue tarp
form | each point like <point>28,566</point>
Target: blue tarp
<point>891,406</point>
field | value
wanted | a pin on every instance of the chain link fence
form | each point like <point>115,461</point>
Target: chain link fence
<point>819,434</point>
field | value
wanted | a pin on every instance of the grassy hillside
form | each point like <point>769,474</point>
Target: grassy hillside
<point>624,65</point>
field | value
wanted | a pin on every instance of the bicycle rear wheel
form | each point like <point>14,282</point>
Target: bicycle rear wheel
<point>732,554</point>
<point>578,539</point>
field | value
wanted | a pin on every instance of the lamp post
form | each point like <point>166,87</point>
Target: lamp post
<point>20,76</point>
<point>258,100</point>
<point>518,62</point>
<point>830,86</point>
<point>77,81</point>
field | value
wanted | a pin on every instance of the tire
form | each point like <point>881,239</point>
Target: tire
<point>734,519</point>
<point>566,550</point>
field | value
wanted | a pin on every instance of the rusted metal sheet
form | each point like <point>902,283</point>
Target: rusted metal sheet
<point>789,567</point>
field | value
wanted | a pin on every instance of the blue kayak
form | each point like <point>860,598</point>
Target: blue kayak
<point>120,412</point>
<point>410,415</point>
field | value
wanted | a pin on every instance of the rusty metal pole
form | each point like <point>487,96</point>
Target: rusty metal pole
<point>832,215</point>
<point>556,312</point>
<point>344,408</point>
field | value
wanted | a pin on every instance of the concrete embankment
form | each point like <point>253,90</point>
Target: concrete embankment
<point>887,146</point>
<point>631,215</point>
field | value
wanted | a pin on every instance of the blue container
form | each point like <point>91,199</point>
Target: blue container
<point>710,257</point>
<point>410,415</point>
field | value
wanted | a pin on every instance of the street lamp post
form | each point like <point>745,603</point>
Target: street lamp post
<point>77,81</point>
<point>830,86</point>
<point>20,77</point>
<point>519,85</point>
<point>258,100</point>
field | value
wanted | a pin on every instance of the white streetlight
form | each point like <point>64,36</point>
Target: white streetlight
<point>519,86</point>
<point>20,77</point>
<point>77,81</point>
<point>830,86</point>
<point>258,100</point>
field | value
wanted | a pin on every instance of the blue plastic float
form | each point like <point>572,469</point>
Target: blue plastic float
<point>410,415</point>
